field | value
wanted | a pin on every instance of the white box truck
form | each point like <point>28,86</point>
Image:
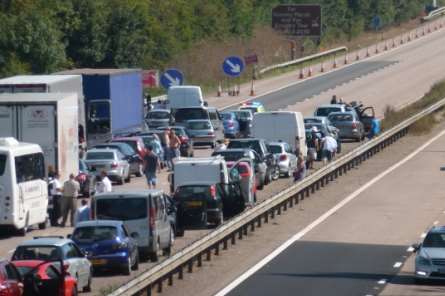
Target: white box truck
<point>48,84</point>
<point>49,120</point>
<point>23,190</point>
<point>286,126</point>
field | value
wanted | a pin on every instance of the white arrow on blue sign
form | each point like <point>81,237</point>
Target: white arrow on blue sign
<point>171,77</point>
<point>233,66</point>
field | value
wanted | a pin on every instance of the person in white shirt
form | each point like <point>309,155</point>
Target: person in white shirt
<point>329,148</point>
<point>82,213</point>
<point>104,184</point>
<point>55,198</point>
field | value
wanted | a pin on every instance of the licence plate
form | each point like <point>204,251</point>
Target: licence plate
<point>194,203</point>
<point>99,261</point>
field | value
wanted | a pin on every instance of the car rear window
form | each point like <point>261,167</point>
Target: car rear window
<point>199,125</point>
<point>243,115</point>
<point>193,192</point>
<point>94,233</point>
<point>312,120</point>
<point>3,159</point>
<point>158,115</point>
<point>213,115</point>
<point>434,240</point>
<point>111,209</point>
<point>254,145</point>
<point>226,116</point>
<point>276,149</point>
<point>340,117</point>
<point>184,114</point>
<point>230,155</point>
<point>23,270</point>
<point>45,253</point>
<point>99,155</point>
<point>325,111</point>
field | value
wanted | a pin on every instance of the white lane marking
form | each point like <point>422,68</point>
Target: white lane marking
<point>436,222</point>
<point>423,235</point>
<point>410,249</point>
<point>321,219</point>
<point>382,282</point>
<point>397,265</point>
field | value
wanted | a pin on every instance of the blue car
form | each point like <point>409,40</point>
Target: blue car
<point>107,244</point>
<point>230,124</point>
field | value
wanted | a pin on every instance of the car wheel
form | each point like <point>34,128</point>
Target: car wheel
<point>126,269</point>
<point>43,225</point>
<point>140,171</point>
<point>153,255</point>
<point>120,181</point>
<point>167,251</point>
<point>136,263</point>
<point>276,175</point>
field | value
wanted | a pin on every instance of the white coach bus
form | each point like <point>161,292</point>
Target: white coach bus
<point>23,189</point>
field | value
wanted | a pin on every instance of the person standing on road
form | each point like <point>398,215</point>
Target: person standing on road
<point>71,190</point>
<point>82,213</point>
<point>151,166</point>
<point>329,147</point>
<point>313,146</point>
<point>55,199</point>
<point>107,187</point>
<point>300,173</point>
<point>334,99</point>
<point>175,144</point>
<point>166,145</point>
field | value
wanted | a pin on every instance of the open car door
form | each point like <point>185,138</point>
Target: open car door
<point>367,115</point>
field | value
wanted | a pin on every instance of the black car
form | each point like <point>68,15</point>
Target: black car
<point>133,158</point>
<point>261,148</point>
<point>186,148</point>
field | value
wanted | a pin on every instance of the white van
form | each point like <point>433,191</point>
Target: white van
<point>286,126</point>
<point>184,96</point>
<point>144,213</point>
<point>23,190</point>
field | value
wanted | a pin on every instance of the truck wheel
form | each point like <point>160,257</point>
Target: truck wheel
<point>43,225</point>
<point>120,181</point>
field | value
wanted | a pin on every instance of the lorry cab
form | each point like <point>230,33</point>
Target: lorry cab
<point>23,190</point>
<point>269,126</point>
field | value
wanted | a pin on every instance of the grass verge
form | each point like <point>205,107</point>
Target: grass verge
<point>393,117</point>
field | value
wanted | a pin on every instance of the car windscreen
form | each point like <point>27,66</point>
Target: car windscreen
<point>229,155</point>
<point>184,114</point>
<point>275,149</point>
<point>325,111</point>
<point>199,125</point>
<point>254,145</point>
<point>94,233</point>
<point>340,117</point>
<point>99,155</point>
<point>434,240</point>
<point>226,116</point>
<point>111,209</point>
<point>158,115</point>
<point>123,148</point>
<point>46,253</point>
<point>3,159</point>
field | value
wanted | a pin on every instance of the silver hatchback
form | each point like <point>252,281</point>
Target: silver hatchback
<point>201,132</point>
<point>111,161</point>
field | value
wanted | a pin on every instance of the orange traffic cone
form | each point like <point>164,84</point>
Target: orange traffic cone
<point>322,67</point>
<point>301,73</point>
<point>335,63</point>
<point>252,90</point>
<point>219,93</point>
<point>346,59</point>
<point>309,73</point>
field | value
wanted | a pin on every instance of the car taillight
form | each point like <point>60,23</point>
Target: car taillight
<point>151,221</point>
<point>114,165</point>
<point>213,191</point>
<point>354,125</point>
<point>283,157</point>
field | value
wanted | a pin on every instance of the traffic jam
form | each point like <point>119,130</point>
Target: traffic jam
<point>84,149</point>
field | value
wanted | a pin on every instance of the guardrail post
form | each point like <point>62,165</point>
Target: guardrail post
<point>279,210</point>
<point>285,206</point>
<point>217,249</point>
<point>190,266</point>
<point>291,202</point>
<point>313,188</point>
<point>245,230</point>
<point>259,222</point>
<point>272,213</point>
<point>160,286</point>
<point>148,290</point>
<point>240,233</point>
<point>170,279</point>
<point>307,192</point>
<point>322,182</point>
<point>180,273</point>
<point>199,264</point>
<point>233,239</point>
<point>225,244</point>
<point>266,217</point>
<point>252,226</point>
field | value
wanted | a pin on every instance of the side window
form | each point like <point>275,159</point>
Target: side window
<point>12,273</point>
<point>124,231</point>
<point>161,210</point>
<point>52,272</point>
<point>29,167</point>
<point>69,251</point>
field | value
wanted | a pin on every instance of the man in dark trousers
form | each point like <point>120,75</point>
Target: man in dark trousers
<point>151,166</point>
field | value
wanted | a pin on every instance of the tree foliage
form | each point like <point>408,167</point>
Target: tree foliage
<point>42,36</point>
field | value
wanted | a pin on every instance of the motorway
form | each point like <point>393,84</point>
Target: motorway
<point>397,78</point>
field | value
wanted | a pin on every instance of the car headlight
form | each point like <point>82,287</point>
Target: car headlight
<point>420,260</point>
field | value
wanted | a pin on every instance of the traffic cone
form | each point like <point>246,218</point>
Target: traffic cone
<point>386,46</point>
<point>335,63</point>
<point>367,53</point>
<point>322,67</point>
<point>357,57</point>
<point>252,90</point>
<point>346,59</point>
<point>219,93</point>
<point>301,73</point>
<point>309,73</point>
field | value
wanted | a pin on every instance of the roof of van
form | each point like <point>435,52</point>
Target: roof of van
<point>35,79</point>
<point>132,193</point>
<point>11,144</point>
<point>184,87</point>
<point>92,71</point>
<point>34,97</point>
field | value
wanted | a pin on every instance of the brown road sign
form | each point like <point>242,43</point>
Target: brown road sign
<point>297,20</point>
<point>251,59</point>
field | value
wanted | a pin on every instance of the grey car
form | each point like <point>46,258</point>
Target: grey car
<point>287,161</point>
<point>158,118</point>
<point>133,158</point>
<point>53,248</point>
<point>111,161</point>
<point>430,255</point>
<point>349,125</point>
<point>201,132</point>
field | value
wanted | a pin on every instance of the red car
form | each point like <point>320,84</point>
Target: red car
<point>135,142</point>
<point>10,280</point>
<point>46,278</point>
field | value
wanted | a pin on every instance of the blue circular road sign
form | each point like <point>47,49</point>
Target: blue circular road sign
<point>233,66</point>
<point>171,77</point>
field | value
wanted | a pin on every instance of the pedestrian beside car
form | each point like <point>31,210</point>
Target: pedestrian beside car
<point>220,145</point>
<point>108,187</point>
<point>313,145</point>
<point>300,172</point>
<point>71,190</point>
<point>166,145</point>
<point>334,99</point>
<point>151,166</point>
<point>329,147</point>
<point>55,193</point>
<point>82,213</point>
<point>175,144</point>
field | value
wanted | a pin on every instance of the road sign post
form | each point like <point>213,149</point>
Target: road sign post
<point>172,77</point>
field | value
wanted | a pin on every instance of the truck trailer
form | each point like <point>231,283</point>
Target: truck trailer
<point>113,100</point>
<point>49,120</point>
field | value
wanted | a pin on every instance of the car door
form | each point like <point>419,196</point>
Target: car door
<point>77,265</point>
<point>130,241</point>
<point>13,280</point>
